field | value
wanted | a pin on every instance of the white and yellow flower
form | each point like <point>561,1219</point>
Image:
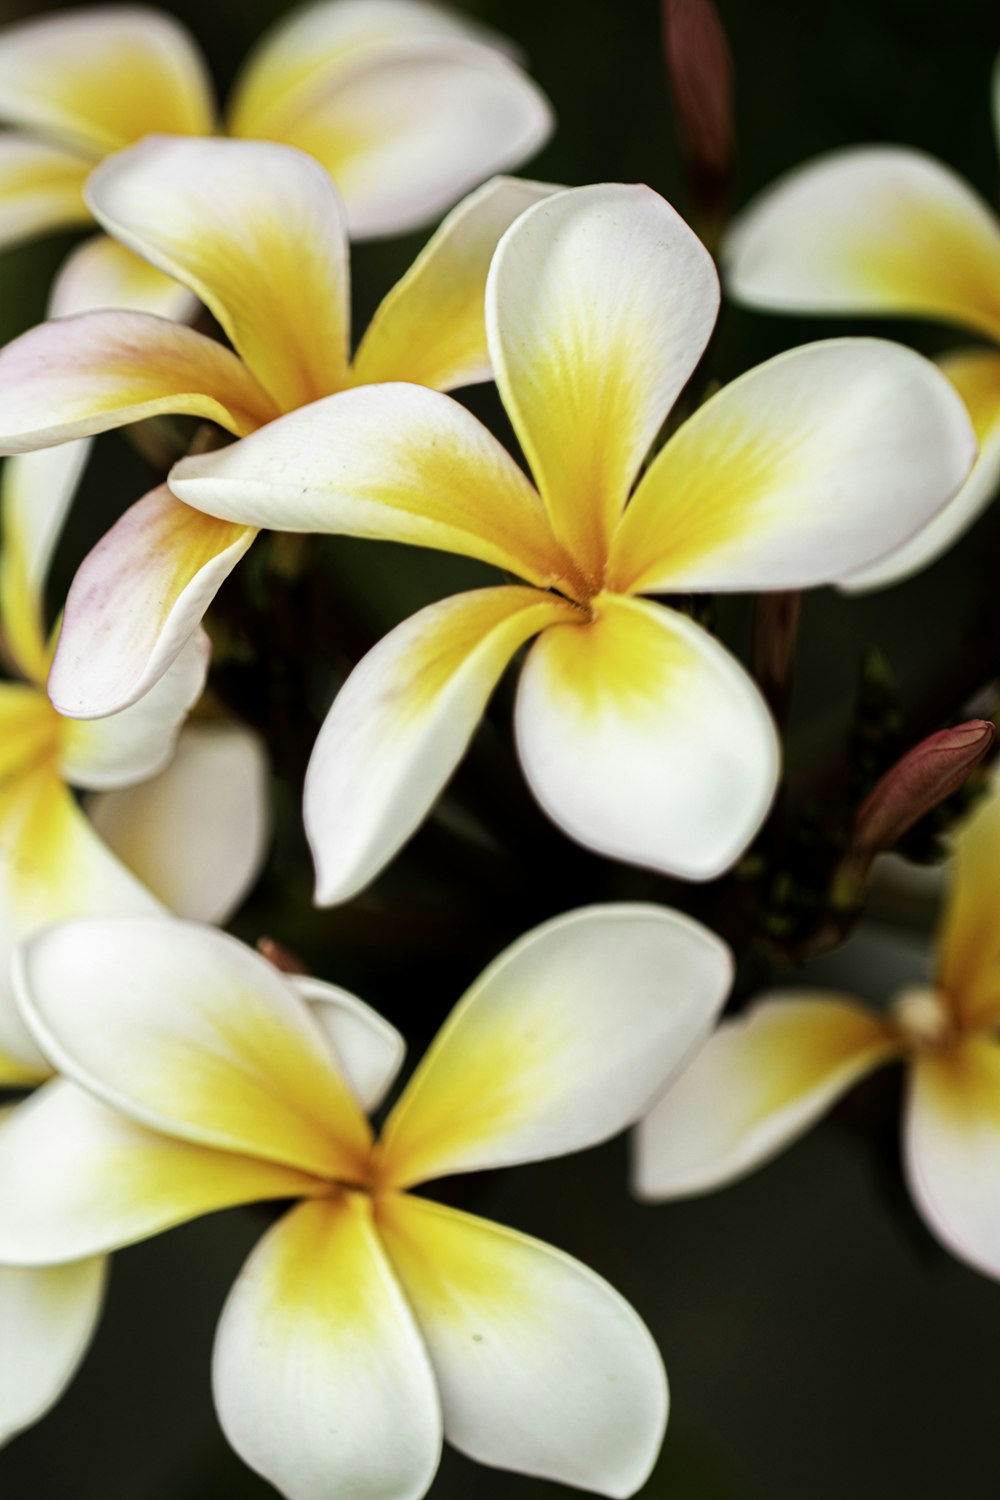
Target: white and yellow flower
<point>406,105</point>
<point>887,230</point>
<point>638,733</point>
<point>369,1321</point>
<point>257,232</point>
<point>763,1078</point>
<point>191,838</point>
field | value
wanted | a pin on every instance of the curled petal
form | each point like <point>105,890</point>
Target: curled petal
<point>542,1367</point>
<point>368,1050</point>
<point>562,1042</point>
<point>645,740</point>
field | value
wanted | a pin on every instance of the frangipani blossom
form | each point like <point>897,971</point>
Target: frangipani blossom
<point>368,1322</point>
<point>638,733</point>
<point>191,837</point>
<point>887,230</point>
<point>762,1079</point>
<point>257,232</point>
<point>408,106</point>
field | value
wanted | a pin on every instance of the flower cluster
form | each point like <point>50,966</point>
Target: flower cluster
<point>159,1069</point>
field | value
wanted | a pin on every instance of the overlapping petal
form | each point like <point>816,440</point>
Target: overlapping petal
<point>431,328</point>
<point>952,1148</point>
<point>139,741</point>
<point>101,275</point>
<point>975,374</point>
<point>402,722</point>
<point>368,1049</point>
<point>137,600</point>
<point>41,189</point>
<point>562,1042</point>
<point>542,1367</point>
<point>759,1082</point>
<point>968,949</point>
<point>187,1031</point>
<point>78,1179</point>
<point>256,231</point>
<point>395,462</point>
<point>77,376</point>
<point>800,472</point>
<point>322,1382</point>
<point>875,229</point>
<point>599,305</point>
<point>196,834</point>
<point>47,1319</point>
<point>644,739</point>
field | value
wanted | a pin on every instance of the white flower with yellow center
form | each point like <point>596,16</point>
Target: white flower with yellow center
<point>369,1321</point>
<point>638,733</point>
<point>762,1079</point>
<point>406,105</point>
<point>887,230</point>
<point>257,232</point>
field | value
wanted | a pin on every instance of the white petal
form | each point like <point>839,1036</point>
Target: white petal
<point>368,1049</point>
<point>100,273</point>
<point>321,1380</point>
<point>645,740</point>
<point>196,834</point>
<point>47,1320</point>
<point>564,1040</point>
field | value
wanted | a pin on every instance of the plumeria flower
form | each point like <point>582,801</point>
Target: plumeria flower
<point>408,106</point>
<point>369,1321</point>
<point>763,1078</point>
<point>258,233</point>
<point>638,733</point>
<point>56,862</point>
<point>887,230</point>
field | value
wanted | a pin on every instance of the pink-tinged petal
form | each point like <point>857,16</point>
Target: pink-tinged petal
<point>41,189</point>
<point>566,1039</point>
<point>47,1320</point>
<point>188,1032</point>
<point>101,77</point>
<point>78,1179</point>
<point>645,740</point>
<point>36,491</point>
<point>137,600</point>
<point>952,1148</point>
<point>256,231</point>
<point>759,1083</point>
<point>138,742</point>
<point>798,473</point>
<point>431,328</point>
<point>321,1379</point>
<point>975,374</point>
<point>542,1367</point>
<point>73,377</point>
<point>196,835</point>
<point>877,229</point>
<point>101,275</point>
<point>401,724</point>
<point>599,305</point>
<point>368,1050</point>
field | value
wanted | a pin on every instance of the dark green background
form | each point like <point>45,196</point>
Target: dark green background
<point>819,1343</point>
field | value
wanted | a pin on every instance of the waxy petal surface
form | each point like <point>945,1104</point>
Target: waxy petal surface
<point>800,472</point>
<point>321,1379</point>
<point>599,305</point>
<point>77,376</point>
<point>876,229</point>
<point>78,1179</point>
<point>394,462</point>
<point>136,601</point>
<point>256,231</point>
<point>565,1040</point>
<point>195,835</point>
<point>102,77</point>
<point>759,1083</point>
<point>402,722</point>
<point>41,189</point>
<point>431,328</point>
<point>47,1320</point>
<point>645,740</point>
<point>368,1050</point>
<point>952,1148</point>
<point>188,1032</point>
<point>101,275</point>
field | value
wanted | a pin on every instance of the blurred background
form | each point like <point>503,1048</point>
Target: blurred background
<point>819,1342</point>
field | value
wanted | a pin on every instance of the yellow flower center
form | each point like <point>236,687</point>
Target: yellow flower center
<point>925,1017</point>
